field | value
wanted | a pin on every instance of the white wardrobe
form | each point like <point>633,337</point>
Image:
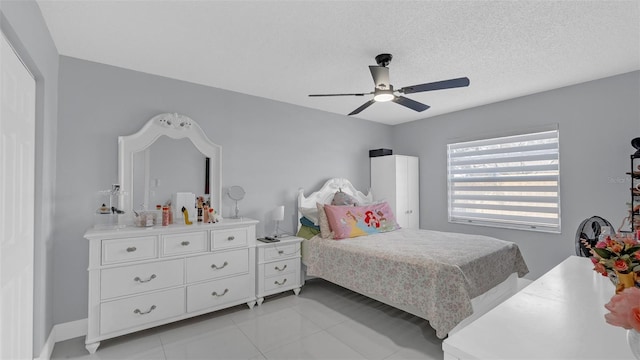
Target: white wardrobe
<point>395,178</point>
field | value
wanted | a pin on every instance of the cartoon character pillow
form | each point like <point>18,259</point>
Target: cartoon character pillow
<point>352,221</point>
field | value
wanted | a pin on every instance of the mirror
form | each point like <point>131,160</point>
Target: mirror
<point>236,193</point>
<point>167,166</point>
<point>172,149</point>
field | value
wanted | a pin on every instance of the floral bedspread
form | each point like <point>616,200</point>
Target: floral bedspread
<point>437,272</point>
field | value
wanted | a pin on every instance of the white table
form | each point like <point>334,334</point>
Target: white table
<point>558,316</point>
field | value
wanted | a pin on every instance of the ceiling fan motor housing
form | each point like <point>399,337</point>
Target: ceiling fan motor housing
<point>383,59</point>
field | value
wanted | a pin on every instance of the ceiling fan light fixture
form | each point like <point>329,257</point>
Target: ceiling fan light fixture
<point>383,95</point>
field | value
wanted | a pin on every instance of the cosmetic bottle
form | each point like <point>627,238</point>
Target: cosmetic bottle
<point>165,216</point>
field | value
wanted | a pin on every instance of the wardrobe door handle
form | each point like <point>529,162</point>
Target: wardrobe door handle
<point>137,278</point>
<point>216,267</point>
<point>137,311</point>
<point>218,295</point>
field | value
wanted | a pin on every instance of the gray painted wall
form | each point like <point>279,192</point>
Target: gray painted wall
<point>269,148</point>
<point>597,121</point>
<point>24,27</point>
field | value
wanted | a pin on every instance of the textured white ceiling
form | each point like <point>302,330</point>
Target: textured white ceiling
<point>285,50</point>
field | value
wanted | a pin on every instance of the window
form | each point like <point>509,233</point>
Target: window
<point>509,182</point>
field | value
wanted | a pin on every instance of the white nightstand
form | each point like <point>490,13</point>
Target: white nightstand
<point>278,267</point>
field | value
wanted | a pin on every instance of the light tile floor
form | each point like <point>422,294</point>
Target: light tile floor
<point>324,322</point>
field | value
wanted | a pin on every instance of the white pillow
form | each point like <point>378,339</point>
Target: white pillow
<point>311,214</point>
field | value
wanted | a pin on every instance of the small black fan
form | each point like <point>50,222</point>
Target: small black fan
<point>588,233</point>
<point>384,91</point>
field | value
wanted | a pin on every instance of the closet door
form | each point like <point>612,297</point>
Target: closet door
<point>413,192</point>
<point>17,159</point>
<point>402,191</point>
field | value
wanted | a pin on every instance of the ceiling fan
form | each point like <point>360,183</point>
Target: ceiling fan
<point>384,91</point>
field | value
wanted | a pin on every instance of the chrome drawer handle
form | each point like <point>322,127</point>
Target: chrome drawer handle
<point>218,295</point>
<point>231,238</point>
<point>216,267</point>
<point>277,268</point>
<point>137,311</point>
<point>131,249</point>
<point>280,283</point>
<point>137,278</point>
<point>185,243</point>
<point>280,252</point>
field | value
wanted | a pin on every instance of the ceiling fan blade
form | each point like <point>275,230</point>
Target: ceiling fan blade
<point>362,107</point>
<point>359,94</point>
<point>438,85</point>
<point>380,76</point>
<point>411,104</point>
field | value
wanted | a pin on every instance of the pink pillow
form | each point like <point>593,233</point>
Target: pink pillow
<point>352,221</point>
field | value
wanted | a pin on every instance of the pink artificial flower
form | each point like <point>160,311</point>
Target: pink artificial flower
<point>616,248</point>
<point>609,241</point>
<point>601,269</point>
<point>634,317</point>
<point>601,245</point>
<point>595,261</point>
<point>620,265</point>
<point>629,241</point>
<point>637,255</point>
<point>624,309</point>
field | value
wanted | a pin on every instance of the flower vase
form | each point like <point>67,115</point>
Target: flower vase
<point>633,339</point>
<point>625,281</point>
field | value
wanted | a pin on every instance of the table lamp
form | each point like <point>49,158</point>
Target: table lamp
<point>278,216</point>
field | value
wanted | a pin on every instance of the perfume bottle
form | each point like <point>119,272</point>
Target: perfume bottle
<point>165,216</point>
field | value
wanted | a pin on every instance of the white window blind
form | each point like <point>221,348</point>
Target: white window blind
<point>510,182</point>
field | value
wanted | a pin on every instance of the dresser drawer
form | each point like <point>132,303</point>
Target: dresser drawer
<point>186,243</point>
<point>219,292</point>
<point>128,249</point>
<point>282,281</point>
<point>222,239</point>
<point>281,267</point>
<point>139,310</point>
<point>133,279</point>
<point>216,265</point>
<point>280,251</point>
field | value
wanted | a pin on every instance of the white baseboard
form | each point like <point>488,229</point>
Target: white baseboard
<point>47,348</point>
<point>71,329</point>
<point>62,332</point>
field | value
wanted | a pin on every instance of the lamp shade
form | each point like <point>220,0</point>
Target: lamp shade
<point>278,213</point>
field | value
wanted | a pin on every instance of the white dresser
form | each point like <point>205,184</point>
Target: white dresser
<point>395,178</point>
<point>278,267</point>
<point>558,316</point>
<point>145,277</point>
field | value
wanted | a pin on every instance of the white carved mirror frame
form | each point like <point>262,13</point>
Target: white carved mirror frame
<point>174,126</point>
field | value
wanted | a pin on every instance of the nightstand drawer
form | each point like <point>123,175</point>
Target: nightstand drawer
<point>280,251</point>
<point>282,281</point>
<point>281,267</point>
<point>134,279</point>
<point>222,239</point>
<point>215,293</point>
<point>128,249</point>
<point>217,265</point>
<point>187,243</point>
<point>139,310</point>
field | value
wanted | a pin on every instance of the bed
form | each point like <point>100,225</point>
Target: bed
<point>446,278</point>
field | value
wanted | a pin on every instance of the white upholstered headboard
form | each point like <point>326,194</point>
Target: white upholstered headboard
<point>325,194</point>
